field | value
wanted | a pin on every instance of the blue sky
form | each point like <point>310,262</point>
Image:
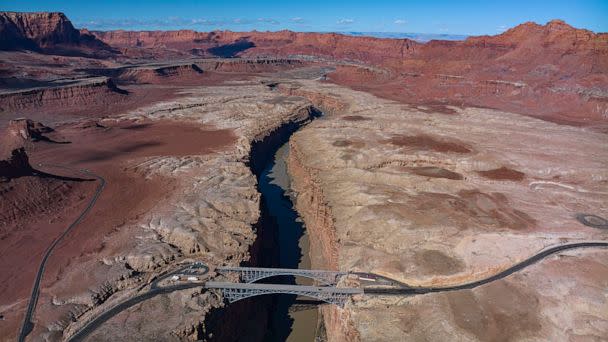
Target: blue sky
<point>439,16</point>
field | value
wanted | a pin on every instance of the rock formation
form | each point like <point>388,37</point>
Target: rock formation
<point>46,32</point>
<point>531,69</point>
<point>15,165</point>
<point>281,43</point>
<point>63,94</point>
<point>14,161</point>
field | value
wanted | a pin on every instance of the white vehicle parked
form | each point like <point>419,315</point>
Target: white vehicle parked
<point>192,279</point>
<point>175,277</point>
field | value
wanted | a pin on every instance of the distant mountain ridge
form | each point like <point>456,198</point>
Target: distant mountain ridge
<point>553,69</point>
<point>419,37</point>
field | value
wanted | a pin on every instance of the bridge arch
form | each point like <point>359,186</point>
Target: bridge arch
<point>237,291</point>
<point>254,274</point>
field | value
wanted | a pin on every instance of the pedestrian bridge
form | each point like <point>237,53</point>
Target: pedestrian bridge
<point>253,274</point>
<point>237,291</point>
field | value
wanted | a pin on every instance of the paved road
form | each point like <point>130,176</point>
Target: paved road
<point>517,267</point>
<point>189,270</point>
<point>94,324</point>
<point>28,325</point>
<point>280,288</point>
<point>155,290</point>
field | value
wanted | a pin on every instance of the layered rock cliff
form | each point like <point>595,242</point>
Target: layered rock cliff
<point>97,90</point>
<point>281,43</point>
<point>46,32</point>
<point>554,71</point>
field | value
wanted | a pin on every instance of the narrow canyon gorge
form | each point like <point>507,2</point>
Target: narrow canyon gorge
<point>456,188</point>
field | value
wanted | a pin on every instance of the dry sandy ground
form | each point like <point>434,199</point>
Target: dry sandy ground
<point>431,198</point>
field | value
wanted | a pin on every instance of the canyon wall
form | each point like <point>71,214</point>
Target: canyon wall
<point>324,248</point>
<point>281,43</point>
<point>314,208</point>
<point>552,71</point>
<point>78,93</point>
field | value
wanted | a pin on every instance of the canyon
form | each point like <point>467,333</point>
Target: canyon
<point>432,164</point>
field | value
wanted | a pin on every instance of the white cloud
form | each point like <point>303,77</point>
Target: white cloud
<point>268,21</point>
<point>400,22</point>
<point>297,20</point>
<point>128,23</point>
<point>345,21</point>
<point>501,28</point>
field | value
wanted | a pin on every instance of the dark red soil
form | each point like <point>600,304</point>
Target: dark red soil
<point>425,142</point>
<point>355,118</point>
<point>436,172</point>
<point>503,173</point>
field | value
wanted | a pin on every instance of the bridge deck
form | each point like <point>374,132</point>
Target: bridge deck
<point>277,270</point>
<point>281,288</point>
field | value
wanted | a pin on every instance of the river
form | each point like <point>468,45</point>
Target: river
<point>274,184</point>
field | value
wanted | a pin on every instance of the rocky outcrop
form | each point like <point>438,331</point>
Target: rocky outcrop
<point>14,161</point>
<point>252,65</point>
<point>517,71</point>
<point>69,93</point>
<point>27,129</point>
<point>160,74</point>
<point>327,103</point>
<point>51,33</point>
<point>16,165</point>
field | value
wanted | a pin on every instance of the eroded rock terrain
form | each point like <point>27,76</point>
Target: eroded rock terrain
<point>210,205</point>
<point>433,199</point>
<point>433,165</point>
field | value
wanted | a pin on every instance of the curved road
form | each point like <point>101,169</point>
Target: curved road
<point>153,292</point>
<point>517,267</point>
<point>28,325</point>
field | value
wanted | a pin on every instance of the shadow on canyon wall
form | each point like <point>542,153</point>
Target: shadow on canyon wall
<point>231,50</point>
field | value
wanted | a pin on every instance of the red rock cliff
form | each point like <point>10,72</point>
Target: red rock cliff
<point>45,32</point>
<point>281,43</point>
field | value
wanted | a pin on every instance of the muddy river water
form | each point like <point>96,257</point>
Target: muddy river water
<point>292,321</point>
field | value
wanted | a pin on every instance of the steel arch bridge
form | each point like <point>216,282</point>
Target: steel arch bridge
<point>237,291</point>
<point>253,274</point>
